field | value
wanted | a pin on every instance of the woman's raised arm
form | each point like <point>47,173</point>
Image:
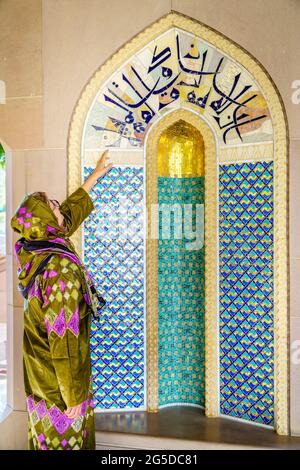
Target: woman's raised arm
<point>102,166</point>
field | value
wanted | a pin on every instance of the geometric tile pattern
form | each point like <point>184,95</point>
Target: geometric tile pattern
<point>113,252</point>
<point>246,291</point>
<point>181,295</point>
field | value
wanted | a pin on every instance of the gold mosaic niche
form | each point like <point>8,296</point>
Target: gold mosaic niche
<point>180,151</point>
<point>280,156</point>
<point>204,140</point>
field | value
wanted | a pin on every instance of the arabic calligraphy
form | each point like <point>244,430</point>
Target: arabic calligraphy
<point>178,70</point>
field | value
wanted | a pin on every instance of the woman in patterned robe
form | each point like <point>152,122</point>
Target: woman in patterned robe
<point>57,317</point>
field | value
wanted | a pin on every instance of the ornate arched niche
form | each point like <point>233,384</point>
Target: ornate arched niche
<point>180,81</point>
<point>172,363</point>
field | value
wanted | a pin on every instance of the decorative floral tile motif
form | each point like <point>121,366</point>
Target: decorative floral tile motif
<point>246,291</point>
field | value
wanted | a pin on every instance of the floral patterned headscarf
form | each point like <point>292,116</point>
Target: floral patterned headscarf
<point>34,220</point>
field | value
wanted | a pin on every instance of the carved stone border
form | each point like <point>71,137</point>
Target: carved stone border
<point>280,127</point>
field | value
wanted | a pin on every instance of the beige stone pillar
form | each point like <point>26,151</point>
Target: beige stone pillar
<point>21,132</point>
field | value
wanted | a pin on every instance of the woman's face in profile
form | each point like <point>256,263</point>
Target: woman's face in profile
<point>54,206</point>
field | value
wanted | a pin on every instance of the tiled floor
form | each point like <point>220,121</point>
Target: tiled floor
<point>180,424</point>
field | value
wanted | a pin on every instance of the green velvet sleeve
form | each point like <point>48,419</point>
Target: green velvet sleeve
<point>75,208</point>
<point>67,324</point>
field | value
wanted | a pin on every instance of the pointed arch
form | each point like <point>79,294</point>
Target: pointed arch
<point>274,148</point>
<point>211,323</point>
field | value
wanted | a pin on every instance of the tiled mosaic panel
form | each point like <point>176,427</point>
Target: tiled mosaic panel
<point>177,69</point>
<point>180,301</point>
<point>113,254</point>
<point>246,291</point>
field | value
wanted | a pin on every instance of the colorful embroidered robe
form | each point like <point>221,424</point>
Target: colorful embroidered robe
<point>56,343</point>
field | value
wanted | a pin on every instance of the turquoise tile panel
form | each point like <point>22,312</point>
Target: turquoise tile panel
<point>180,298</point>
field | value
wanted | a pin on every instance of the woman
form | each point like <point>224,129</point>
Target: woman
<point>57,312</point>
